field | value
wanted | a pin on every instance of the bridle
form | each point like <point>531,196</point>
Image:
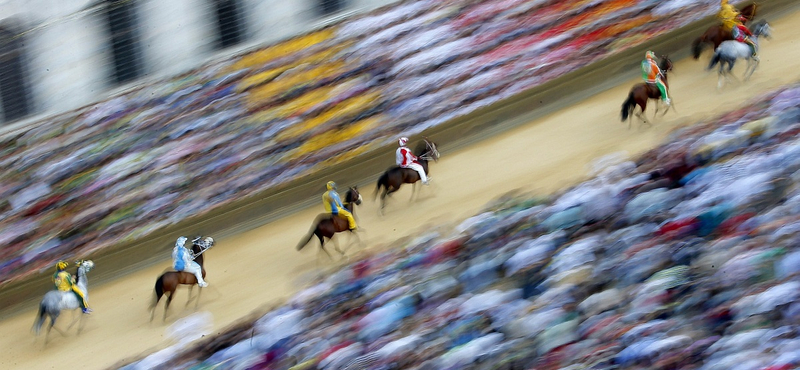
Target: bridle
<point>431,154</point>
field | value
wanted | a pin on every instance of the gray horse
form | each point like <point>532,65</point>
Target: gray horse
<point>730,50</point>
<point>55,301</point>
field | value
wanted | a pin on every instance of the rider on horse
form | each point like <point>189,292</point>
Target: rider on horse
<point>727,15</point>
<point>652,74</point>
<point>407,159</point>
<point>742,34</point>
<point>333,205</point>
<point>182,260</point>
<point>64,283</point>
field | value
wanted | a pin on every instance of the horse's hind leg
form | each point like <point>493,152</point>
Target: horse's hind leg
<point>166,304</point>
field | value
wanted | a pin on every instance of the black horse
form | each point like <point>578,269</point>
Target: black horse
<point>394,177</point>
<point>326,225</point>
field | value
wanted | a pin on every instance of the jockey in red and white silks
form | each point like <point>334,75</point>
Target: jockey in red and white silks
<point>407,159</point>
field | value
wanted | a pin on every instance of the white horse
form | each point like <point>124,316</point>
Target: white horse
<point>56,301</point>
<point>730,50</point>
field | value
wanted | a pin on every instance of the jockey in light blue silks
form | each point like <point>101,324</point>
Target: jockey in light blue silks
<point>182,260</point>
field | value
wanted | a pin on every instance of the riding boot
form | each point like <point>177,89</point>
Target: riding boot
<point>200,282</point>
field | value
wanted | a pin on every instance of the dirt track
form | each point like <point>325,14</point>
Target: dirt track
<point>261,266</point>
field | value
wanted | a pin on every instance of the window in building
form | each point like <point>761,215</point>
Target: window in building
<point>230,24</point>
<point>123,30</point>
<point>13,77</point>
<point>330,6</point>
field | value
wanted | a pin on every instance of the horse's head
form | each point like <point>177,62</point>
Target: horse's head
<point>762,28</point>
<point>428,151</point>
<point>353,196</point>
<point>666,64</point>
<point>86,265</point>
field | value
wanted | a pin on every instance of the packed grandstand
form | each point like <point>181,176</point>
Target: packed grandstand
<point>686,258</point>
<point>120,169</point>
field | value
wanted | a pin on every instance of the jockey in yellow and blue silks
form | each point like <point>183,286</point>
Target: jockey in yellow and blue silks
<point>333,205</point>
<point>64,283</point>
<point>652,74</point>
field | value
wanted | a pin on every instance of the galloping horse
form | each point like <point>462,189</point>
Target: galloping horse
<point>641,92</point>
<point>326,225</point>
<point>56,301</point>
<point>169,281</point>
<point>729,51</point>
<point>716,35</point>
<point>394,177</point>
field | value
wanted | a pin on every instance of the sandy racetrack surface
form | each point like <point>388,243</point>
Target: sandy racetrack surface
<point>261,266</point>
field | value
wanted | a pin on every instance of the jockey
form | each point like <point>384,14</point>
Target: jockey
<point>407,159</point>
<point>64,283</point>
<point>652,74</point>
<point>727,15</point>
<point>742,34</point>
<point>333,205</point>
<point>182,260</point>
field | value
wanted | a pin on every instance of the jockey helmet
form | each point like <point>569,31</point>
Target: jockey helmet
<point>741,18</point>
<point>331,185</point>
<point>61,265</point>
<point>181,241</point>
<point>650,55</point>
<point>402,141</point>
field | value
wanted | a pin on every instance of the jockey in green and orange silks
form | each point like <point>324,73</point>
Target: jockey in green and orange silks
<point>64,283</point>
<point>651,73</point>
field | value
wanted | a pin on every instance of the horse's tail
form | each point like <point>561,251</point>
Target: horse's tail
<point>714,60</point>
<point>382,181</point>
<point>697,48</point>
<point>628,106</point>
<point>159,290</point>
<point>37,325</point>
<point>307,238</point>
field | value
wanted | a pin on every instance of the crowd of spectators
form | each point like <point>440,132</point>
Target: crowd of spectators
<point>688,258</point>
<point>122,168</point>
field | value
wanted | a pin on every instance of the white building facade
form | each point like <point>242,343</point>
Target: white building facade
<point>59,55</point>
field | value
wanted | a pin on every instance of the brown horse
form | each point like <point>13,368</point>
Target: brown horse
<point>641,92</point>
<point>326,225</point>
<point>169,281</point>
<point>716,35</point>
<point>394,177</point>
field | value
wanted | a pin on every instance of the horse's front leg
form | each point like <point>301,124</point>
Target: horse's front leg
<point>197,302</point>
<point>189,300</point>
<point>336,246</point>
<point>751,67</point>
<point>75,320</point>
<point>413,190</point>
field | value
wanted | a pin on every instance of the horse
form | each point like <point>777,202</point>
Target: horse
<point>729,51</point>
<point>56,301</point>
<point>395,176</point>
<point>641,92</point>
<point>326,225</point>
<point>168,282</point>
<point>716,34</point>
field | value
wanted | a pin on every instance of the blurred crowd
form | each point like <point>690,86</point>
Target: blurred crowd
<point>688,258</point>
<point>178,148</point>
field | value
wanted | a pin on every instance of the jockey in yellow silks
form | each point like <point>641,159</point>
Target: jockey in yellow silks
<point>652,74</point>
<point>727,15</point>
<point>64,283</point>
<point>333,205</point>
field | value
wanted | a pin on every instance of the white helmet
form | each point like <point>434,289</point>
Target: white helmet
<point>181,241</point>
<point>402,141</point>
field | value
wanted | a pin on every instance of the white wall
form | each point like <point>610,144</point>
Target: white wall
<point>70,59</point>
